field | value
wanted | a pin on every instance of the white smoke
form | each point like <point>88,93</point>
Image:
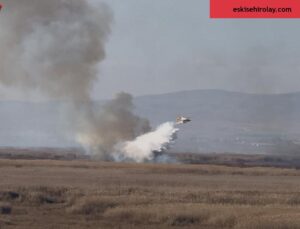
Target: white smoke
<point>145,147</point>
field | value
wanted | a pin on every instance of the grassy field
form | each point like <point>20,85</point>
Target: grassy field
<point>89,194</point>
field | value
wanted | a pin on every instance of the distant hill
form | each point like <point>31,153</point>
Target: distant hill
<point>228,121</point>
<point>222,121</point>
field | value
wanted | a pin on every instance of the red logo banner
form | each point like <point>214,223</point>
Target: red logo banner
<point>254,8</point>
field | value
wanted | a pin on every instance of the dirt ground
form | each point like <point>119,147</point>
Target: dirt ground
<point>89,194</point>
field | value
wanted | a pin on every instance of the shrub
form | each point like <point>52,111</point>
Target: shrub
<point>5,208</point>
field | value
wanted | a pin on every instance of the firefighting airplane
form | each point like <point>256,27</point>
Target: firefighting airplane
<point>181,120</point>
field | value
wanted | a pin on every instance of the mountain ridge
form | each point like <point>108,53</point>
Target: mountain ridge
<point>222,121</point>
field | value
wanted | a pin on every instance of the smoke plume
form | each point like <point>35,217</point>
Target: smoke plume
<point>114,123</point>
<point>54,47</point>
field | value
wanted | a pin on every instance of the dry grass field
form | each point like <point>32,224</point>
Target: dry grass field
<point>89,194</point>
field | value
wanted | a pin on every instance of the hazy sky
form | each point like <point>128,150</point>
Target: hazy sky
<point>160,46</point>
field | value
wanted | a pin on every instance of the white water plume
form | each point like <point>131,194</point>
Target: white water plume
<point>146,146</point>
